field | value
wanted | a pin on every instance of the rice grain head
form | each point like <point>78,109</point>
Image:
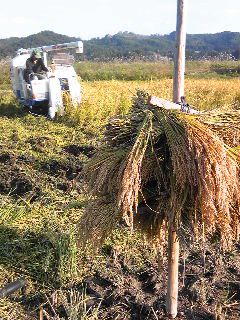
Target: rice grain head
<point>157,166</point>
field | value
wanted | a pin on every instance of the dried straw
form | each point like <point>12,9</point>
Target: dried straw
<point>157,166</point>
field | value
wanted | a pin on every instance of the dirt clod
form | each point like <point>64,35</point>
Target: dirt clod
<point>16,183</point>
<point>77,150</point>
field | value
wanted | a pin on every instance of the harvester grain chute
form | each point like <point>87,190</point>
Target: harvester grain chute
<point>44,95</point>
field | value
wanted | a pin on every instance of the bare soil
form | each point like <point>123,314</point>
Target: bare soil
<point>209,280</point>
<point>208,290</point>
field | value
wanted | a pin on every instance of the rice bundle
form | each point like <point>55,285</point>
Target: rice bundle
<point>225,123</point>
<point>157,166</point>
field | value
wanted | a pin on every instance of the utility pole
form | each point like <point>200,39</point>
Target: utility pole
<point>178,92</point>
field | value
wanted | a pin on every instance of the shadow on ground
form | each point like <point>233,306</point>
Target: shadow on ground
<point>36,257</point>
<point>12,110</point>
<point>28,253</point>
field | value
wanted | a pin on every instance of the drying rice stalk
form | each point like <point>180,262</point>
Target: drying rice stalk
<point>157,167</point>
<point>226,123</point>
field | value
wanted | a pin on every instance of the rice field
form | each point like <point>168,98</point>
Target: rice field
<point>104,99</point>
<point>43,196</point>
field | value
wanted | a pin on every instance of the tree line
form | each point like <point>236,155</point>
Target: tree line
<point>129,46</point>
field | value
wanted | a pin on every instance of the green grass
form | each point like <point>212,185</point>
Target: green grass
<point>154,70</point>
<point>124,71</point>
<point>140,70</point>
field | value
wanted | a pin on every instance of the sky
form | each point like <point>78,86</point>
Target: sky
<point>96,18</point>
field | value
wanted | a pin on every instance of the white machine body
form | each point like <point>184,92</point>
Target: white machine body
<point>47,92</point>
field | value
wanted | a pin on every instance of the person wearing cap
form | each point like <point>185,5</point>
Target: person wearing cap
<point>35,65</point>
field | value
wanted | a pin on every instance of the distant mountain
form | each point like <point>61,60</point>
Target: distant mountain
<point>9,46</point>
<point>217,43</point>
<point>127,45</point>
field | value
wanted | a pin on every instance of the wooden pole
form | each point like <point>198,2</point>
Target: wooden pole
<point>172,285</point>
<point>178,92</point>
<point>179,58</point>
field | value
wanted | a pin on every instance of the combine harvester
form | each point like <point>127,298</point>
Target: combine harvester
<point>46,96</point>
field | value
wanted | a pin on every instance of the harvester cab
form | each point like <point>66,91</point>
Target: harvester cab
<point>46,94</point>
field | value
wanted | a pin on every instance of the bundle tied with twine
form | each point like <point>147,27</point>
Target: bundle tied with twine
<point>157,166</point>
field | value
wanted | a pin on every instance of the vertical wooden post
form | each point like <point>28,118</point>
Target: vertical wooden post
<point>172,284</point>
<point>178,92</point>
<point>179,57</point>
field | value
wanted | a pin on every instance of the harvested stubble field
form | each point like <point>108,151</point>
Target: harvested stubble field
<point>43,196</point>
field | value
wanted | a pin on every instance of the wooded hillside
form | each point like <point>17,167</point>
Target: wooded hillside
<point>129,46</point>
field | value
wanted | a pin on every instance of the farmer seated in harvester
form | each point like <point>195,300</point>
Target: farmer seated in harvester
<point>35,67</point>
